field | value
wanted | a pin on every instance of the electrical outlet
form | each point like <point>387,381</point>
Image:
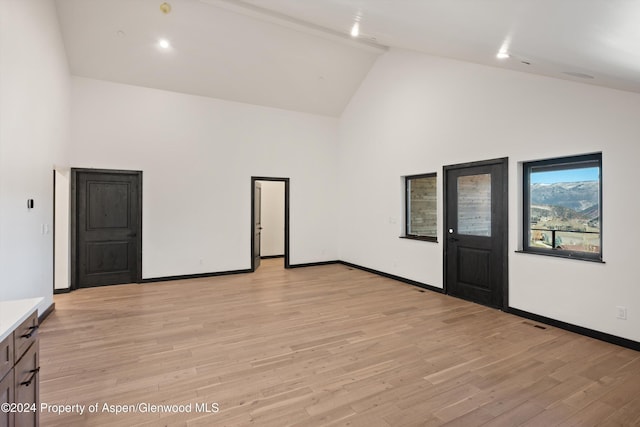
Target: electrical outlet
<point>622,312</point>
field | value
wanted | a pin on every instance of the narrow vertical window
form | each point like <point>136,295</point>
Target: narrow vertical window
<point>563,207</point>
<point>421,207</point>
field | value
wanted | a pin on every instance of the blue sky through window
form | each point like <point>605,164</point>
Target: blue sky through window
<point>569,175</point>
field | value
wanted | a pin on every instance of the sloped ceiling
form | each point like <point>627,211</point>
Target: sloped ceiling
<point>590,41</point>
<point>298,55</point>
<point>216,51</point>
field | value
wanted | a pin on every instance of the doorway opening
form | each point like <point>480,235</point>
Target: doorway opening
<point>269,219</point>
<point>476,232</point>
<point>61,242</point>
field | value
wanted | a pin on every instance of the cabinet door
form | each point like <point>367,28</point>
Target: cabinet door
<point>27,384</point>
<point>6,355</point>
<point>6,396</point>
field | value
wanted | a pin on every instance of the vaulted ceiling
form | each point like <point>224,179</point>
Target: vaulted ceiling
<point>299,55</point>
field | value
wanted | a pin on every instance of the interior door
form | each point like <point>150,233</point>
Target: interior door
<point>108,244</point>
<point>476,231</point>
<point>257,223</point>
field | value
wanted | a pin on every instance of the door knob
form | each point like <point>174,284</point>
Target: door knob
<point>451,231</point>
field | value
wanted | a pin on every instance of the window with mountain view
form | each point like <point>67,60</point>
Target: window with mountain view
<point>563,207</point>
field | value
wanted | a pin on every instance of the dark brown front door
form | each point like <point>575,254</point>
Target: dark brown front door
<point>476,232</point>
<point>107,227</point>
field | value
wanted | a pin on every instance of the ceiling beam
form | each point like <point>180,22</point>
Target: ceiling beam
<point>283,20</point>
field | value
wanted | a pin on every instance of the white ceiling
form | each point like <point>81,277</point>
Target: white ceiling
<point>297,54</point>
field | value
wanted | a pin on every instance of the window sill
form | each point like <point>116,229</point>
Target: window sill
<point>423,238</point>
<point>560,255</point>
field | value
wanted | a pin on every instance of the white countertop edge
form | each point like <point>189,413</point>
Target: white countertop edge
<point>14,312</point>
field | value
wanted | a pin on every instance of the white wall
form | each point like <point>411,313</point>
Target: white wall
<point>415,113</point>
<point>197,156</point>
<point>272,217</point>
<point>34,126</point>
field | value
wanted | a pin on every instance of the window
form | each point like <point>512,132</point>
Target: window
<point>421,207</point>
<point>563,207</point>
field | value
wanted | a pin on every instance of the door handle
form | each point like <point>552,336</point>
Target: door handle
<point>32,329</point>
<point>33,373</point>
<point>132,235</point>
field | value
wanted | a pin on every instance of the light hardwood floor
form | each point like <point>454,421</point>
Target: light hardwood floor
<point>325,345</point>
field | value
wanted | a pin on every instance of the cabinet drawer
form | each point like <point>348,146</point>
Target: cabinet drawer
<point>25,335</point>
<point>27,385</point>
<point>6,355</point>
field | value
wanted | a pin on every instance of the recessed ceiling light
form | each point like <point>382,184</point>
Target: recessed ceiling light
<point>355,30</point>
<point>503,52</point>
<point>164,44</point>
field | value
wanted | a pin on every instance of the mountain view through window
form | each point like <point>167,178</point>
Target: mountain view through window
<point>564,208</point>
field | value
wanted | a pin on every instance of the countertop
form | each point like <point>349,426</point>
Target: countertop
<point>14,312</point>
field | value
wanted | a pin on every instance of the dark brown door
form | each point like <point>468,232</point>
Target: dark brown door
<point>257,223</point>
<point>108,222</point>
<point>476,231</point>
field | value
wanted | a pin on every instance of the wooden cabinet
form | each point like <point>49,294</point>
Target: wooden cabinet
<point>6,355</point>
<point>26,387</point>
<point>25,335</point>
<point>19,375</point>
<point>6,397</point>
